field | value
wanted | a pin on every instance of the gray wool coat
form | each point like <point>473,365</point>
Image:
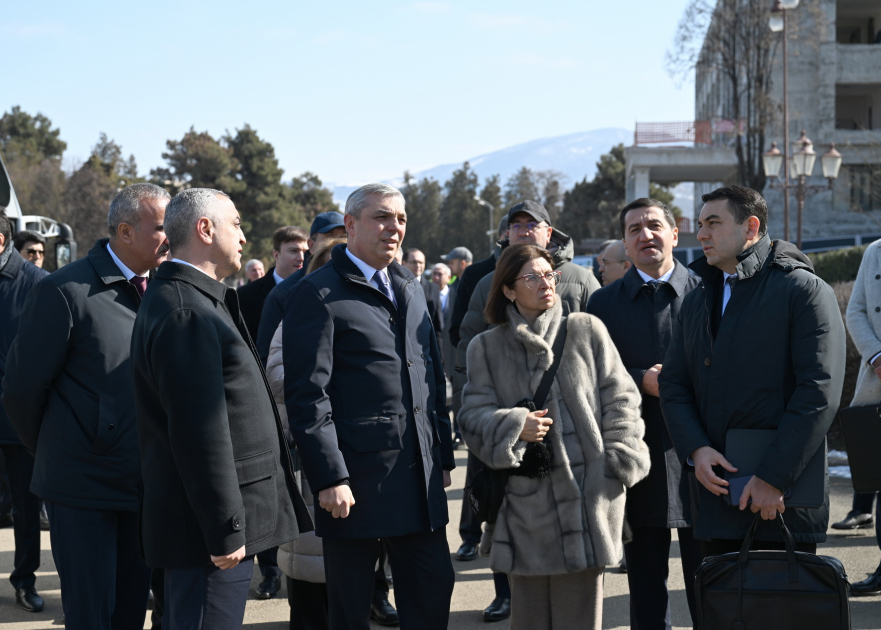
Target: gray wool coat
<point>864,324</point>
<point>573,519</point>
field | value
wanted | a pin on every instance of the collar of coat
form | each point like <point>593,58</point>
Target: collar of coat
<point>538,338</point>
<point>184,273</point>
<point>764,253</point>
<point>104,265</point>
<point>400,277</point>
<point>633,282</point>
<point>10,261</point>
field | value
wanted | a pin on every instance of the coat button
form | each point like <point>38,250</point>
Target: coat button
<point>878,309</point>
<point>878,277</point>
<point>391,320</point>
<point>111,426</point>
<point>409,363</point>
<point>707,362</point>
<point>415,409</point>
<point>237,524</point>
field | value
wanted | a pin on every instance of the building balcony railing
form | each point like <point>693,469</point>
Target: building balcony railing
<point>717,132</point>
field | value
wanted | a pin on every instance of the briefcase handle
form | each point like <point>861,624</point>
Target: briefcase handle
<point>791,558</point>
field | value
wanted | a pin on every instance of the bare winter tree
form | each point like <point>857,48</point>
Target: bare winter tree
<point>731,40</point>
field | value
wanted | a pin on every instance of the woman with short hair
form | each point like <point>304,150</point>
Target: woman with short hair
<point>560,524</point>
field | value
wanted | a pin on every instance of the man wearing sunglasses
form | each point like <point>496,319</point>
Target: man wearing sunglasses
<point>31,246</point>
<point>528,222</point>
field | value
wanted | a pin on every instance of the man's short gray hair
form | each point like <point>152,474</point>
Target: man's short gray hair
<point>443,267</point>
<point>126,205</point>
<point>187,207</point>
<point>360,199</point>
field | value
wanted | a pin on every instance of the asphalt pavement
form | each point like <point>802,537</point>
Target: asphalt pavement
<point>474,590</point>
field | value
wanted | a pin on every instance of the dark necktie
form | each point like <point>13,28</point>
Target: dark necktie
<point>140,283</point>
<point>382,282</point>
<point>731,280</point>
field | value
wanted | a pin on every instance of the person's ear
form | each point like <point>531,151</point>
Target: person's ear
<point>753,225</point>
<point>275,255</point>
<point>205,230</point>
<point>675,236</point>
<point>509,293</point>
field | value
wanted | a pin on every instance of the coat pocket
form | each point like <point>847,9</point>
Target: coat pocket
<point>257,476</point>
<point>369,434</point>
<point>108,425</point>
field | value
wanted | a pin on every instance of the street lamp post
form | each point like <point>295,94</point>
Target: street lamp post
<point>777,24</point>
<point>800,166</point>
<point>492,223</point>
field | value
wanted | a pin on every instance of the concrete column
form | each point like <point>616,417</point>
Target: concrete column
<point>641,182</point>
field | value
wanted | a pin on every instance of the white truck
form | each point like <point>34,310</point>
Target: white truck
<point>58,235</point>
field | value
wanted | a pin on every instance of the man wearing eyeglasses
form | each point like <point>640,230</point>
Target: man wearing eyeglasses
<point>31,246</point>
<point>528,222</point>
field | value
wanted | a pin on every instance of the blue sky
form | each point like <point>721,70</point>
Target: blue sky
<point>352,91</point>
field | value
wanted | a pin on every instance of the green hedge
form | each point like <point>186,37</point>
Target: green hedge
<point>840,265</point>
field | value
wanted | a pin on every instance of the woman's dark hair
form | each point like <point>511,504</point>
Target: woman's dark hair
<point>743,203</point>
<point>507,271</point>
<point>322,253</point>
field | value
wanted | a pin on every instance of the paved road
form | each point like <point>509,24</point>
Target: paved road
<point>474,581</point>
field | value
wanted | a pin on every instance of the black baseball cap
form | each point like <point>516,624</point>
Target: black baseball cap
<point>326,221</point>
<point>533,209</point>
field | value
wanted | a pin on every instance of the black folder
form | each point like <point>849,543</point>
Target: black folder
<point>745,449</point>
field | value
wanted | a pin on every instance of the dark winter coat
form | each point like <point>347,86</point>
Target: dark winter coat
<point>217,470</point>
<point>435,311</point>
<point>68,386</point>
<point>775,362</point>
<point>273,311</point>
<point>252,296</point>
<point>640,321</point>
<point>366,399</point>
<point>17,278</point>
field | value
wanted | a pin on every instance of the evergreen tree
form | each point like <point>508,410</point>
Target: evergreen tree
<point>492,194</point>
<point>311,196</point>
<point>462,219</point>
<point>423,201</point>
<point>199,161</point>
<point>520,187</point>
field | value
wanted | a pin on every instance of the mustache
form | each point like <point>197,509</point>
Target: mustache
<point>163,250</point>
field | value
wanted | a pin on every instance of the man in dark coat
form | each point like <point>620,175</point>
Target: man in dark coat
<point>414,260</point>
<point>325,226</point>
<point>69,394</point>
<point>217,473</point>
<point>365,395</point>
<point>17,278</point>
<point>639,311</point>
<point>760,345</point>
<point>289,250</point>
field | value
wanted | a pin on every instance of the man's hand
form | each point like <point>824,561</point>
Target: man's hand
<point>704,459</point>
<point>536,426</point>
<point>877,365</point>
<point>650,380</point>
<point>337,500</point>
<point>766,498</point>
<point>448,480</point>
<point>230,560</point>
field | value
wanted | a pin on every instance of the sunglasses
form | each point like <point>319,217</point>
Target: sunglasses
<point>35,252</point>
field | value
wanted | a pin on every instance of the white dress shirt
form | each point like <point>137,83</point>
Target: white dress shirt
<point>445,295</point>
<point>648,278</point>
<point>277,277</point>
<point>128,273</point>
<point>369,272</point>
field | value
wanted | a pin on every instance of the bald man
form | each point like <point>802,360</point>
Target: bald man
<point>614,262</point>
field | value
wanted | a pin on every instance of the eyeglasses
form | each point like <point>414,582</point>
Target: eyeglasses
<point>532,280</point>
<point>526,227</point>
<point>35,252</point>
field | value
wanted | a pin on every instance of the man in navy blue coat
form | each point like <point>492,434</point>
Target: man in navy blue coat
<point>366,400</point>
<point>17,278</point>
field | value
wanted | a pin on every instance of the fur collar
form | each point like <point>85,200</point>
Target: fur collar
<point>538,338</point>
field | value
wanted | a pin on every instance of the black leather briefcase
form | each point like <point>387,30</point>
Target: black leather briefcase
<point>771,590</point>
<point>862,435</point>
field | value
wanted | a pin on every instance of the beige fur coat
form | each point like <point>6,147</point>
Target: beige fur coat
<point>573,519</point>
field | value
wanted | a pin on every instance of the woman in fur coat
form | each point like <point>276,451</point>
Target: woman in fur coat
<point>554,533</point>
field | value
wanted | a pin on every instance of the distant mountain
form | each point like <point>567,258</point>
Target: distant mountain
<point>574,155</point>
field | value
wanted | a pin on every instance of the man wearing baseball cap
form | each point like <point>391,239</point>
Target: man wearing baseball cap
<point>326,225</point>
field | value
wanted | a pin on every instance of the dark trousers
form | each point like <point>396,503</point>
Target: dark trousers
<point>719,546</point>
<point>423,575</point>
<point>267,562</point>
<point>648,567</point>
<point>104,581</point>
<point>26,515</point>
<point>470,528</point>
<point>157,585</point>
<point>206,597</point>
<point>863,501</point>
<point>309,606</point>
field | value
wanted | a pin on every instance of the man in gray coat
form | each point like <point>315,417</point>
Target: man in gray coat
<point>69,393</point>
<point>760,345</point>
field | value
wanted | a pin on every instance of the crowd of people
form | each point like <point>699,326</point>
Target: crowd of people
<point>178,429</point>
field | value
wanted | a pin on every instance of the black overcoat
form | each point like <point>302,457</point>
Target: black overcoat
<point>68,385</point>
<point>252,296</point>
<point>17,278</point>
<point>217,470</point>
<point>640,321</point>
<point>775,362</point>
<point>366,399</point>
